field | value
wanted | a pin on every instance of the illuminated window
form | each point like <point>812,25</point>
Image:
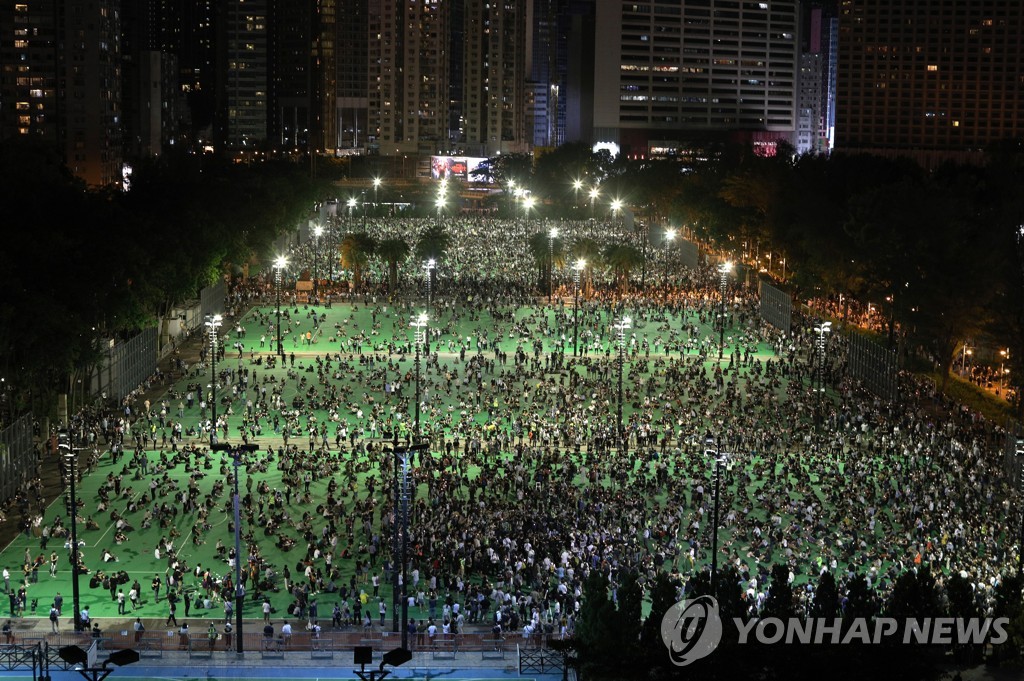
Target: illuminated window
<point>933,67</point>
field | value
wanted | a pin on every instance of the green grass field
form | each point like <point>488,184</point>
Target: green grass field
<point>360,332</point>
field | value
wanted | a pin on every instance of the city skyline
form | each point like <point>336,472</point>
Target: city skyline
<point>114,82</point>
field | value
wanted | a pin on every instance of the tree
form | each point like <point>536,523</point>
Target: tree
<point>779,602</point>
<point>433,243</point>
<point>664,594</point>
<point>393,251</point>
<point>598,641</point>
<point>628,618</point>
<point>356,250</point>
<point>914,595</point>
<point>826,598</point>
<point>622,259</point>
<point>861,601</point>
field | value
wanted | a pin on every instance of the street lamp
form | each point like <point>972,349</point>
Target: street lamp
<point>822,330</point>
<point>65,445</point>
<point>577,272</point>
<point>552,234</point>
<point>428,276</point>
<point>376,185</point>
<point>1004,356</point>
<point>963,362</point>
<point>616,205</point>
<point>213,323</point>
<point>239,589</point>
<point>420,323</point>
<point>713,447</point>
<point>439,202</point>
<point>670,235</point>
<point>577,184</point>
<point>621,328</point>
<point>351,207</point>
<point>723,272</point>
<point>318,232</point>
<point>279,266</point>
<point>594,193</point>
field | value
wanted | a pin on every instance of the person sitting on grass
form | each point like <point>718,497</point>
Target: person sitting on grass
<point>108,556</point>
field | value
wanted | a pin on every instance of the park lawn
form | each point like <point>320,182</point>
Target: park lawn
<point>136,556</point>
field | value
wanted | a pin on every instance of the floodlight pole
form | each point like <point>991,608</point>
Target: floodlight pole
<point>624,324</point>
<point>213,323</point>
<point>723,271</point>
<point>709,442</point>
<point>70,457</point>
<point>239,589</point>
<point>277,278</point>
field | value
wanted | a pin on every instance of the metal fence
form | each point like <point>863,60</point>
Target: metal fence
<point>1013,453</point>
<point>873,365</point>
<point>128,365</point>
<point>18,459</point>
<point>776,307</point>
<point>211,299</point>
<point>689,254</point>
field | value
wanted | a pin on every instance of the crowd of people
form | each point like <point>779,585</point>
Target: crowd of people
<point>529,483</point>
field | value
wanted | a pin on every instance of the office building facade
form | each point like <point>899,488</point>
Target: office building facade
<point>934,81</point>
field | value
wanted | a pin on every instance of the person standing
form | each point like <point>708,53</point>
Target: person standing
<point>266,611</point>
<point>139,628</point>
<point>383,609</point>
<point>211,635</point>
<point>120,601</point>
<point>54,620</point>
<point>171,608</point>
<point>53,564</point>
<point>227,636</point>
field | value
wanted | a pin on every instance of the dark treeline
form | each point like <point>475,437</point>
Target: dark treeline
<point>80,265</point>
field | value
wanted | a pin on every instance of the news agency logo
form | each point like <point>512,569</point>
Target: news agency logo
<point>691,630</point>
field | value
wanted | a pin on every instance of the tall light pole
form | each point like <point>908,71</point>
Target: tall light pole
<point>420,323</point>
<point>236,450</point>
<point>822,330</point>
<point>318,232</point>
<point>713,447</point>
<point>351,203</point>
<point>552,235</point>
<point>670,236</point>
<point>577,272</point>
<point>577,184</point>
<point>594,193</point>
<point>279,264</point>
<point>65,445</point>
<point>723,273</point>
<point>428,277</point>
<point>213,323</point>
<point>616,206</point>
<point>376,187</point>
<point>621,328</point>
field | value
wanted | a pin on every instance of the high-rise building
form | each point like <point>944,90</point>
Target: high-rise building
<point>352,73</point>
<point>447,76</point>
<point>665,71</point>
<point>936,81</point>
<point>150,91</point>
<point>816,90</point>
<point>408,76</point>
<point>290,92</point>
<point>245,78</point>
<point>494,107</point>
<point>548,45</point>
<point>61,81</point>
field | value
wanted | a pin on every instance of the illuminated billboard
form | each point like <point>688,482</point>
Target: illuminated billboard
<point>459,167</point>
